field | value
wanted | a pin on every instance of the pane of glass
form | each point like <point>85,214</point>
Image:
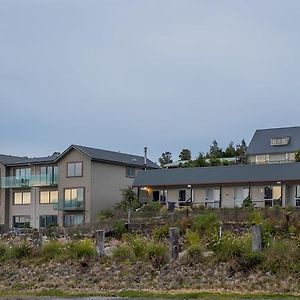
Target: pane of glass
<point>74,194</point>
<point>298,191</point>
<point>44,197</point>
<point>42,221</point>
<point>53,196</point>
<point>268,193</point>
<point>78,169</point>
<point>17,198</point>
<point>26,198</point>
<point>67,194</point>
<point>78,219</point>
<point>80,194</point>
<point>43,170</point>
<point>276,192</point>
<point>71,169</point>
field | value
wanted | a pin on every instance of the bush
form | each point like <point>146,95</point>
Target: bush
<point>123,252</point>
<point>280,256</point>
<point>82,249</point>
<point>119,228</point>
<point>229,247</point>
<point>3,252</point>
<point>161,232</point>
<point>248,260</point>
<point>137,244</point>
<point>151,206</point>
<point>205,224</point>
<point>105,214</point>
<point>156,253</point>
<point>21,251</point>
<point>51,249</point>
<point>194,251</point>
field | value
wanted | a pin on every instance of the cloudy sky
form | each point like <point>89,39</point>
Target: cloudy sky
<point>124,74</point>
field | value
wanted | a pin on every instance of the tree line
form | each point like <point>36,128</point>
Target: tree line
<point>214,157</point>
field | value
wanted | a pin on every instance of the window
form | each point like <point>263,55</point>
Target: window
<point>21,221</point>
<point>297,191</point>
<point>47,197</point>
<point>272,195</point>
<point>73,220</point>
<point>76,194</point>
<point>49,175</point>
<point>23,176</point>
<point>22,198</point>
<point>130,172</point>
<point>155,195</point>
<point>48,220</point>
<point>74,169</point>
<point>262,159</point>
<point>280,141</point>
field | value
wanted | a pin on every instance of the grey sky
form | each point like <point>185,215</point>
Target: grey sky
<point>122,74</point>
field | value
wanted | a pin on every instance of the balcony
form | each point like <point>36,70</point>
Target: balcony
<point>30,181</point>
<point>73,205</point>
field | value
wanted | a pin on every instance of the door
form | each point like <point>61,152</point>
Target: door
<point>240,194</point>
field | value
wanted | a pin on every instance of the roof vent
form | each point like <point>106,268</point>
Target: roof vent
<point>280,141</point>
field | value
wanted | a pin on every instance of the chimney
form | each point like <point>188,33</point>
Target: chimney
<point>145,158</point>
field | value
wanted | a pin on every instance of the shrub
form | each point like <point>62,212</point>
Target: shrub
<point>82,248</point>
<point>123,252</point>
<point>156,253</point>
<point>51,249</point>
<point>229,246</point>
<point>105,214</point>
<point>151,206</point>
<point>248,260</point>
<point>280,256</point>
<point>119,228</point>
<point>137,244</point>
<point>161,232</point>
<point>21,251</point>
<point>194,251</point>
<point>3,252</point>
<point>205,224</point>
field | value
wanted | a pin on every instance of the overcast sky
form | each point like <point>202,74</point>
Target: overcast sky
<point>124,74</point>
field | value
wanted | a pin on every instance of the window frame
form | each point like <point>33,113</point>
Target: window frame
<point>129,174</point>
<point>22,195</point>
<point>74,163</point>
<point>45,220</point>
<point>49,196</point>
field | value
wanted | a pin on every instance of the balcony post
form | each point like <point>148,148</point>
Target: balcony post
<point>100,243</point>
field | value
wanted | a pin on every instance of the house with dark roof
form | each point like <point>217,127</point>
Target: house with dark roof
<point>68,189</point>
<point>274,145</point>
<point>223,187</point>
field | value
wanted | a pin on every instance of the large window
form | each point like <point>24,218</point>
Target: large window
<point>74,198</point>
<point>130,172</point>
<point>47,197</point>
<point>21,221</point>
<point>23,176</point>
<point>73,220</point>
<point>49,175</point>
<point>22,198</point>
<point>48,220</point>
<point>74,169</point>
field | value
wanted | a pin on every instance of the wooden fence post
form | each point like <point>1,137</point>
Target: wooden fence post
<point>100,242</point>
<point>174,242</point>
<point>256,238</point>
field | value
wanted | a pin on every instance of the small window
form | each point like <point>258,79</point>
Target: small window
<point>280,141</point>
<point>22,198</point>
<point>47,197</point>
<point>130,172</point>
<point>48,220</point>
<point>156,195</point>
<point>74,169</point>
<point>21,221</point>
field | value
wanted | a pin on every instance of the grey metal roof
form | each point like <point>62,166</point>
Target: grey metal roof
<point>114,157</point>
<point>219,175</point>
<point>261,141</point>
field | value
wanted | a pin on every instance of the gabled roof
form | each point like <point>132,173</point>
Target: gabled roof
<point>219,175</point>
<point>261,141</point>
<point>111,157</point>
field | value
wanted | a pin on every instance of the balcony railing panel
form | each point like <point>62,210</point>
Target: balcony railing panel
<point>35,180</point>
<point>68,205</point>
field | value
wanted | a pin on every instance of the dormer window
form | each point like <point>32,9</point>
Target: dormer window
<point>280,141</point>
